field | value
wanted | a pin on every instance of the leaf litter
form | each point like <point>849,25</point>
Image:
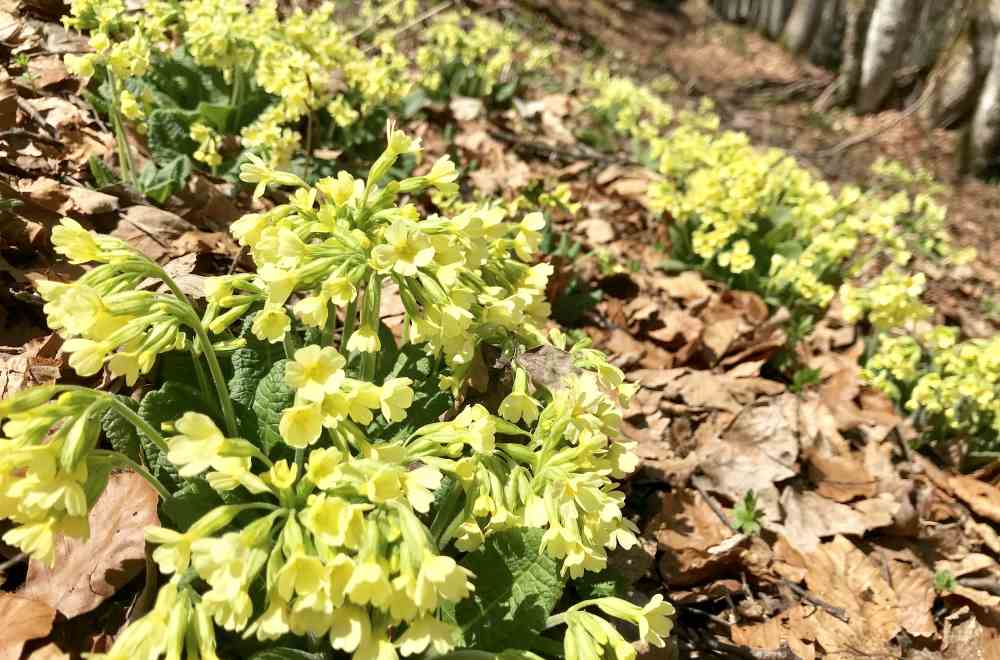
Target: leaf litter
<point>854,528</point>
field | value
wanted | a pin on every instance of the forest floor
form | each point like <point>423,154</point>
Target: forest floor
<point>859,530</point>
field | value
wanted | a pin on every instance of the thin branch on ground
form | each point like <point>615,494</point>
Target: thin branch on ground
<point>832,610</point>
<point>30,135</point>
<point>716,509</point>
<point>35,116</point>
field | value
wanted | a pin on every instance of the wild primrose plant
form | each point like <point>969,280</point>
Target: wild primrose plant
<point>323,488</point>
<point>209,81</point>
<point>759,220</point>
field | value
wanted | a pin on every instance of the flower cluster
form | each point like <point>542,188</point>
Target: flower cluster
<point>339,530</point>
<point>289,57</point>
<point>335,246</point>
<point>462,53</point>
<point>753,210</point>
<point>951,386</point>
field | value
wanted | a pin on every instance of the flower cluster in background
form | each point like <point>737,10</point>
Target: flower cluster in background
<point>761,221</point>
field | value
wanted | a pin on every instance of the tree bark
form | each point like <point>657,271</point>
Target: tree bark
<point>802,25</point>
<point>885,45</point>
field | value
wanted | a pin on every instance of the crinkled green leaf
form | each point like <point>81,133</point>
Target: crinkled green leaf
<point>429,400</point>
<point>250,365</point>
<point>168,133</point>
<point>194,499</point>
<point>284,653</point>
<point>121,433</point>
<point>167,404</point>
<point>517,585</point>
<point>603,584</point>
<point>271,398</point>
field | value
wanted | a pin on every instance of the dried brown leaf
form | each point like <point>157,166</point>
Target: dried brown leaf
<point>983,498</point>
<point>22,619</point>
<point>843,576</point>
<point>87,572</point>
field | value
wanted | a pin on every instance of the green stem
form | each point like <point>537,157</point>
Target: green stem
<point>124,152</point>
<point>122,460</point>
<point>220,382</point>
<point>289,344</point>
<point>194,322</point>
<point>349,318</point>
<point>144,427</point>
<point>202,377</point>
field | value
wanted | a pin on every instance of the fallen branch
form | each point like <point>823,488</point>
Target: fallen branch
<point>832,610</point>
<point>24,133</point>
<point>35,116</point>
<point>716,509</point>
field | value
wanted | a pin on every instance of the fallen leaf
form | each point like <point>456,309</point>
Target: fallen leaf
<point>598,232</point>
<point>786,629</point>
<point>465,108</point>
<point>688,286</point>
<point>810,517</point>
<point>87,572</point>
<point>23,619</point>
<point>151,230</point>
<point>759,449</point>
<point>983,498</point>
<point>843,576</point>
<point>914,587</point>
<point>49,652</point>
<point>686,528</point>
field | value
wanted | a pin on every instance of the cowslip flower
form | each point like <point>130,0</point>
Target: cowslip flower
<point>315,372</point>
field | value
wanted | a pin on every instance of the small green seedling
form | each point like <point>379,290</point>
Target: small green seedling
<point>746,514</point>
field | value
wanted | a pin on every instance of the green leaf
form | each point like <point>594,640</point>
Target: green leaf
<point>603,584</point>
<point>746,515</point>
<point>159,183</point>
<point>517,585</point>
<point>168,134</point>
<point>167,404</point>
<point>193,500</point>
<point>429,401</point>
<point>121,433</point>
<point>270,399</point>
<point>103,175</point>
<point>284,653</point>
<point>250,364</point>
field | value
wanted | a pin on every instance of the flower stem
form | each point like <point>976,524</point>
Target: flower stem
<point>122,460</point>
<point>124,153</point>
<point>220,382</point>
<point>349,318</point>
<point>144,427</point>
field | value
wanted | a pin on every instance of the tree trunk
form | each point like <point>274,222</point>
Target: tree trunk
<point>953,92</point>
<point>802,25</point>
<point>983,136</point>
<point>857,15</point>
<point>827,48</point>
<point>885,45</point>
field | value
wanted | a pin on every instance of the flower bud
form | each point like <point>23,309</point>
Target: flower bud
<point>25,400</point>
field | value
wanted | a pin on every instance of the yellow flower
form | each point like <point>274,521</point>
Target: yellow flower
<point>271,323</point>
<point>86,356</point>
<point>406,249</point>
<point>364,340</point>
<point>396,396</point>
<point>529,236</point>
<point>339,290</point>
<point>420,486</point>
<point>349,628</point>
<point>321,468</point>
<point>301,425</point>
<point>427,632</point>
<point>75,243</point>
<point>282,475</point>
<point>315,372</point>
<point>199,445</point>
